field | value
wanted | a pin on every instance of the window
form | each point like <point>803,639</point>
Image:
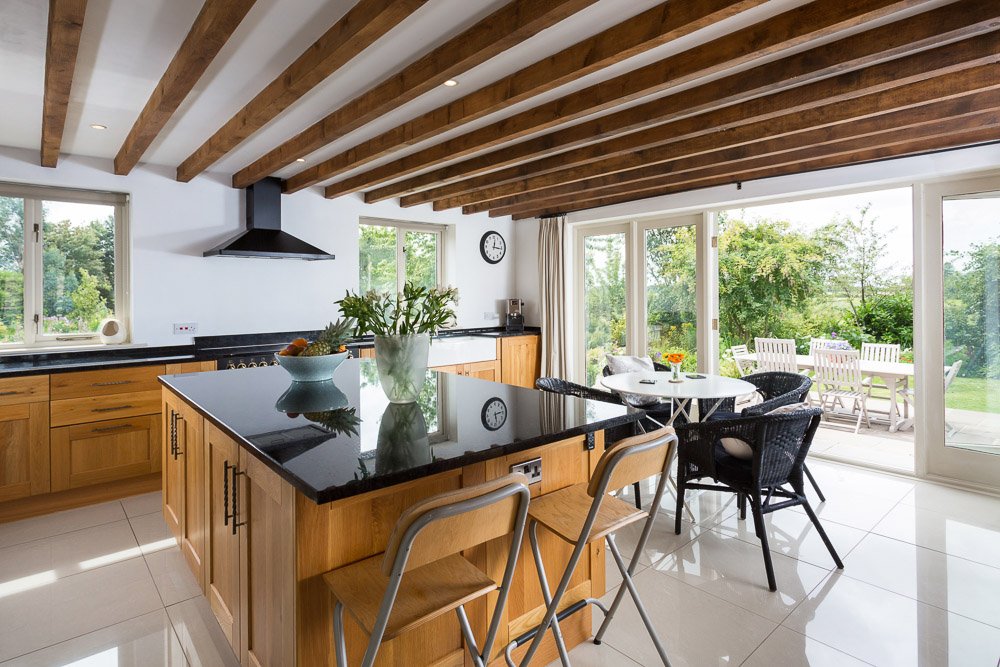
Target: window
<point>61,264</point>
<point>394,253</point>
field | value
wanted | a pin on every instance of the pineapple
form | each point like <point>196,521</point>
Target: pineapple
<point>331,340</point>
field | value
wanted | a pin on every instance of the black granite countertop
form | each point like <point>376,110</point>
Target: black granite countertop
<point>205,348</point>
<point>309,434</point>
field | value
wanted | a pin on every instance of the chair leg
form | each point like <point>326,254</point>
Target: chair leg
<point>680,503</point>
<point>758,520</point>
<point>822,534</point>
<point>630,585</point>
<point>637,490</point>
<point>543,582</point>
<point>741,504</point>
<point>812,480</point>
<point>339,645</point>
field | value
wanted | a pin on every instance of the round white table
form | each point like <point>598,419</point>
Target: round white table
<point>709,387</point>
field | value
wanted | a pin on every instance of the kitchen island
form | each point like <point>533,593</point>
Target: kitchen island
<point>268,484</point>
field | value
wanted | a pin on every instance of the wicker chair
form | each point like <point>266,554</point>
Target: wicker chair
<point>776,388</point>
<point>779,443</point>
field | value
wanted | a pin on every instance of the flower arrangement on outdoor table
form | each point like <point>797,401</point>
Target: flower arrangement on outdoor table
<point>402,324</point>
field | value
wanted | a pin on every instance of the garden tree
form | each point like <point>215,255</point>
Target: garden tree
<point>89,307</point>
<point>671,283</point>
<point>604,287</point>
<point>11,275</point>
<point>768,277</point>
<point>378,258</point>
<point>860,273</point>
<point>972,309</point>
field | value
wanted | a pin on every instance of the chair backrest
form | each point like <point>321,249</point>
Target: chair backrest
<point>742,365</point>
<point>952,373</point>
<point>631,460</point>
<point>777,389</point>
<point>454,521</point>
<point>824,344</point>
<point>837,369</point>
<point>776,354</point>
<point>885,352</point>
<point>558,386</point>
<point>778,458</point>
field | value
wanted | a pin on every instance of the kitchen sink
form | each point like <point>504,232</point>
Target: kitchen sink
<point>461,350</point>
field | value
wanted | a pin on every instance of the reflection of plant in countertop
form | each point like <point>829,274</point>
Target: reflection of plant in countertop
<point>340,421</point>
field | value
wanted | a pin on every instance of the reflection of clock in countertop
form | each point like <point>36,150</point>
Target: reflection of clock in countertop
<point>494,413</point>
<point>492,247</point>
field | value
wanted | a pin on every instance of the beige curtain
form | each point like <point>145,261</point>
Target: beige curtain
<point>551,273</point>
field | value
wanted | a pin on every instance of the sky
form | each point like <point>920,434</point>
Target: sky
<point>77,214</point>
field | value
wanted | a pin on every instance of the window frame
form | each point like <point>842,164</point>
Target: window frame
<point>406,226</point>
<point>33,196</point>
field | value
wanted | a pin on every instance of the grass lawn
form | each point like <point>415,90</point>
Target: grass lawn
<point>977,394</point>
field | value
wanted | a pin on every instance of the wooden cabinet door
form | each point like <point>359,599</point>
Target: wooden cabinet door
<point>484,370</point>
<point>24,450</point>
<point>105,451</point>
<point>520,357</point>
<point>222,548</point>
<point>457,369</point>
<point>172,468</point>
<point>191,456</point>
<point>267,566</point>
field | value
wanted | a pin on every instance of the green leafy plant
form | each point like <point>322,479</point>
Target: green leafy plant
<point>415,310</point>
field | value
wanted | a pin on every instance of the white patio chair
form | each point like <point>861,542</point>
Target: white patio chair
<point>838,380</point>
<point>880,352</point>
<point>743,365</point>
<point>950,373</point>
<point>776,354</point>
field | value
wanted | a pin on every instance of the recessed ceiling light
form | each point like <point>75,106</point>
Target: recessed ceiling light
<point>98,126</point>
<point>300,159</point>
<point>451,83</point>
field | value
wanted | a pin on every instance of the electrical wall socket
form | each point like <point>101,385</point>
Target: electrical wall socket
<point>185,328</point>
<point>532,470</point>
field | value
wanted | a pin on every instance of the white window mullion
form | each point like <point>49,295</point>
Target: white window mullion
<point>400,259</point>
<point>32,270</point>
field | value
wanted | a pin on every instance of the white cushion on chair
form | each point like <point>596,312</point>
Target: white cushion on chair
<point>628,364</point>
<point>791,407</point>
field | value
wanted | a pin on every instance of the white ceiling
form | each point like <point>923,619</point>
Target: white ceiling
<point>127,44</point>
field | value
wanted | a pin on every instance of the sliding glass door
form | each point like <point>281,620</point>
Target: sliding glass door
<point>603,255</point>
<point>961,329</point>
<point>670,283</point>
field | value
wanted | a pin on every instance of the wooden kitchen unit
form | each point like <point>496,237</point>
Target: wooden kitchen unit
<point>272,526</point>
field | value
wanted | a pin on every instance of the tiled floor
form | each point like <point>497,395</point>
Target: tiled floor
<point>105,585</point>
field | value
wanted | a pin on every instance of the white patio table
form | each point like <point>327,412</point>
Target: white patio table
<point>710,387</point>
<point>896,375</point>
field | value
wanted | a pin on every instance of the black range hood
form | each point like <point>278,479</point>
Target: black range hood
<point>263,236</point>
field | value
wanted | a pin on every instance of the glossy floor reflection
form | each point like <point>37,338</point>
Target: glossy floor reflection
<point>106,585</point>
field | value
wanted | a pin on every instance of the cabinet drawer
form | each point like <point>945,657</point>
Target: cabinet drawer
<point>97,408</point>
<point>84,384</point>
<point>31,389</point>
<point>105,451</point>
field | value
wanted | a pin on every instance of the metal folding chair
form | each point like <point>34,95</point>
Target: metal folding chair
<point>584,513</point>
<point>425,546</point>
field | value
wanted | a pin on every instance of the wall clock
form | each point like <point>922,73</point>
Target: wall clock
<point>494,413</point>
<point>492,247</point>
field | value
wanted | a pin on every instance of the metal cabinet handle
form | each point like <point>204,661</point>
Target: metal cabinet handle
<point>111,384</point>
<point>107,429</point>
<point>10,393</point>
<point>178,417</point>
<point>231,496</point>
<point>113,409</point>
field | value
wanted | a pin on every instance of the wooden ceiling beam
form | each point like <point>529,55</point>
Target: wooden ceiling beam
<point>647,30</point>
<point>790,29</point>
<point>61,46</point>
<point>983,77</point>
<point>947,117</point>
<point>932,28</point>
<point>945,60</point>
<point>212,28</point>
<point>510,25</point>
<point>356,30</point>
<point>979,136</point>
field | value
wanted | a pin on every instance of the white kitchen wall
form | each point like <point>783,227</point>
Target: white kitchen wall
<point>173,223</point>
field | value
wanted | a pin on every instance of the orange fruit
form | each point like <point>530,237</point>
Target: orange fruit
<point>300,342</point>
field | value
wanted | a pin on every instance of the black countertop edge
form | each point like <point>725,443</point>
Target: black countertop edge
<point>359,487</point>
<point>205,348</point>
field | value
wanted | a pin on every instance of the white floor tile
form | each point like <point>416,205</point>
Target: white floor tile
<point>172,576</point>
<point>856,509</point>
<point>734,571</point>
<point>695,628</point>
<point>956,584</point>
<point>955,502</point>
<point>147,503</point>
<point>39,527</point>
<point>589,654</point>
<point>65,608</point>
<point>200,635</point>
<point>792,534</point>
<point>707,507</point>
<point>835,479</point>
<point>787,648</point>
<point>144,641</point>
<point>69,553</point>
<point>948,534</point>
<point>152,533</point>
<point>886,629</point>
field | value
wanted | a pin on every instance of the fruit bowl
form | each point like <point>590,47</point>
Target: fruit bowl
<point>311,369</point>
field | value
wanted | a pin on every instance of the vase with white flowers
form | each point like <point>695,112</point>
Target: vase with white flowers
<point>402,324</point>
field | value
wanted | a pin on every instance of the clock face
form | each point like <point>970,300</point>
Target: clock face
<point>492,247</point>
<point>494,414</point>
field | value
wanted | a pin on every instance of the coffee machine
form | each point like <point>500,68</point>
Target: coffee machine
<point>515,318</point>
